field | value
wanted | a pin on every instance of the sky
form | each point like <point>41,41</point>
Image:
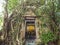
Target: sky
<point>1,4</point>
<point>1,9</point>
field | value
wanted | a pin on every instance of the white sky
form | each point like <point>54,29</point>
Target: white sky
<point>1,4</point>
<point>1,9</point>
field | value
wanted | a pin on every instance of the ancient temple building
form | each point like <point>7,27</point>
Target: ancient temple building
<point>30,30</point>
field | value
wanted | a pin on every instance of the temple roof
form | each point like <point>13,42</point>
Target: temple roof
<point>29,13</point>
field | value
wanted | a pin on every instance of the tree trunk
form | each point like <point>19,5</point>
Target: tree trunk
<point>5,22</point>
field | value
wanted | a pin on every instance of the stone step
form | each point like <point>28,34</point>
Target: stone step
<point>30,42</point>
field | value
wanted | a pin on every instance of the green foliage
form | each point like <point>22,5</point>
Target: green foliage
<point>58,5</point>
<point>42,2</point>
<point>46,37</point>
<point>32,2</point>
<point>47,7</point>
<point>12,4</point>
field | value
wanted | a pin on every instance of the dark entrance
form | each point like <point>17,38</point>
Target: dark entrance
<point>30,32</point>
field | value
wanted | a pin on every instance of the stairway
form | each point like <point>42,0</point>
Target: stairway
<point>30,42</point>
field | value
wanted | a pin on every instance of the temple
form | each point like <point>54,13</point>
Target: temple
<point>29,31</point>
